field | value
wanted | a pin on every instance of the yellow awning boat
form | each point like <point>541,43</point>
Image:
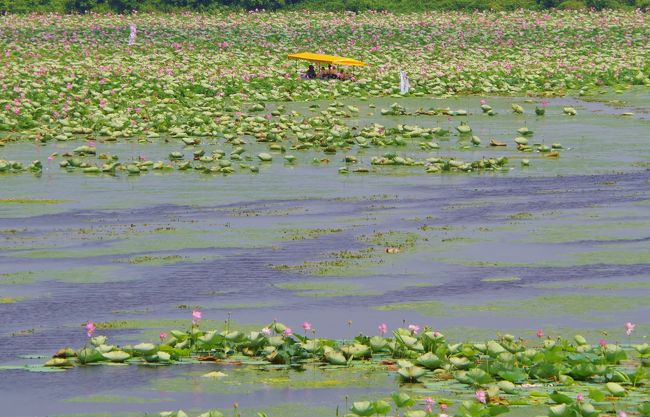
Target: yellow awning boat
<point>327,59</point>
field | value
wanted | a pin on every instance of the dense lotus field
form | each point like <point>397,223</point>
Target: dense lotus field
<point>77,74</point>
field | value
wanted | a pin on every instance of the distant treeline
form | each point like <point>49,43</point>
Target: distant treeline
<point>121,6</point>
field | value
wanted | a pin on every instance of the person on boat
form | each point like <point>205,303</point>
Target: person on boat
<point>311,72</point>
<point>333,74</point>
<point>327,73</point>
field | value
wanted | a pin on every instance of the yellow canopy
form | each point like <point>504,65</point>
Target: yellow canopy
<point>327,59</point>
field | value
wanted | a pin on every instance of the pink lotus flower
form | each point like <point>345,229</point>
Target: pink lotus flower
<point>622,414</point>
<point>306,326</point>
<point>480,396</point>
<point>602,342</point>
<point>437,334</point>
<point>414,328</point>
<point>287,332</point>
<point>579,397</point>
<point>162,336</point>
<point>540,333</point>
<point>266,331</point>
<point>383,329</point>
<point>429,404</point>
<point>196,316</point>
<point>443,406</point>
<point>629,328</point>
<point>443,415</point>
<point>483,101</point>
<point>90,328</point>
<point>50,158</point>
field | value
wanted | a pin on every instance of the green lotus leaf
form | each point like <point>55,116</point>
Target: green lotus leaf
<point>643,349</point>
<point>569,111</point>
<point>311,346</point>
<point>494,348</point>
<point>411,373</point>
<point>265,157</point>
<point>580,340</point>
<point>210,337</point>
<point>587,410</point>
<point>377,343</point>
<point>596,395</point>
<point>566,380</point>
<point>429,361</point>
<point>477,376</point>
<point>463,129</point>
<point>618,376</point>
<point>381,407</point>
<point>278,327</point>
<point>516,376</point>
<point>234,336</point>
<point>410,342</point>
<point>356,351</point>
<point>614,354</point>
<point>560,410</point>
<point>98,340</point>
<point>583,371</point>
<point>89,355</point>
<point>58,362</point>
<point>516,108</point>
<point>560,398</point>
<point>402,400</point>
<point>335,358</point>
<point>507,387</point>
<point>116,356</point>
<point>144,348</point>
<point>105,348</point>
<point>615,389</point>
<point>276,341</point>
<point>363,408</point>
<point>460,362</point>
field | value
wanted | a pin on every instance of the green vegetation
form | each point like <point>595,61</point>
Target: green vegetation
<point>570,377</point>
<point>122,6</point>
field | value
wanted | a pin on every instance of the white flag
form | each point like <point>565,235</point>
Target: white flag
<point>404,85</point>
<point>134,30</point>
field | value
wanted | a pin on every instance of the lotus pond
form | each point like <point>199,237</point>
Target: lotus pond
<point>186,225</point>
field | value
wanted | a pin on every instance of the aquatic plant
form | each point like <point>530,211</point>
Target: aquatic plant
<point>496,368</point>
